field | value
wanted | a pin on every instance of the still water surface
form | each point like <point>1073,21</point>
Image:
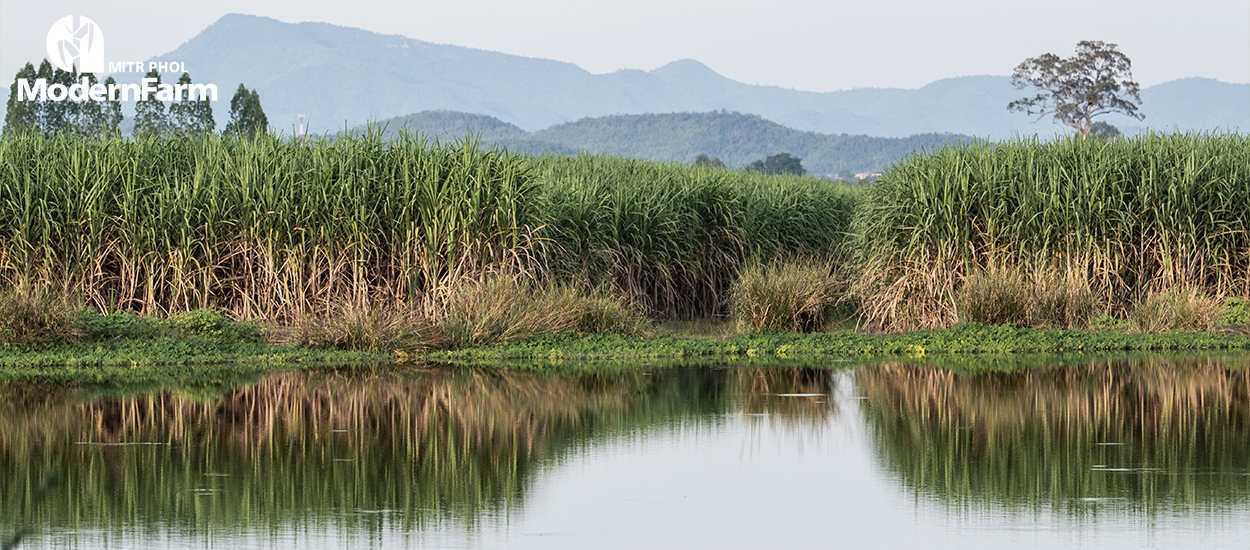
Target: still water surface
<point>1107,453</point>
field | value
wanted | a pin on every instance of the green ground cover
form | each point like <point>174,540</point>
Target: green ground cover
<point>958,340</point>
<point>142,357</point>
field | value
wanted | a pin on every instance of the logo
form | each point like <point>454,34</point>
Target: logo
<point>76,42</point>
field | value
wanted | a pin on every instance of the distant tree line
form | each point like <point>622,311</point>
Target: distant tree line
<point>87,118</point>
<point>703,161</point>
<point>780,163</point>
<point>184,116</point>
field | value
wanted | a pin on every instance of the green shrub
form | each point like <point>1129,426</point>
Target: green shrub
<point>500,309</point>
<point>214,325</point>
<point>124,325</point>
<point>784,296</point>
<point>1236,312</point>
<point>33,318</point>
<point>1109,323</point>
<point>1176,310</point>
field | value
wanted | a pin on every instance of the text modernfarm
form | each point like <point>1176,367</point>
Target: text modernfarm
<point>85,91</point>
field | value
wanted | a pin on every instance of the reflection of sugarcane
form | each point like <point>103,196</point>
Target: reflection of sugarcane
<point>23,528</point>
<point>1157,433</point>
<point>798,402</point>
<point>356,451</point>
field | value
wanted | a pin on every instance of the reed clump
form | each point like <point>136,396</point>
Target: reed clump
<point>795,296</point>
<point>1129,215</point>
<point>1186,310</point>
<point>502,308</point>
<point>995,297</point>
<point>260,228</point>
<point>32,318</point>
<point>370,327</point>
<point>1063,299</point>
<point>1045,299</point>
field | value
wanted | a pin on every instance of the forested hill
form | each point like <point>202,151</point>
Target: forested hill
<point>736,139</point>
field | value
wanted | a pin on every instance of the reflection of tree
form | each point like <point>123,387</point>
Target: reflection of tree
<point>1048,437</point>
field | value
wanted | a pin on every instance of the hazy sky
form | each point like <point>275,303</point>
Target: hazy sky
<point>802,44</point>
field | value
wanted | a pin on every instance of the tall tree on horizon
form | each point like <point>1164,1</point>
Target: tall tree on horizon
<point>112,113</point>
<point>92,117</point>
<point>150,116</point>
<point>1095,81</point>
<point>780,163</point>
<point>189,116</point>
<point>21,117</point>
<point>246,115</point>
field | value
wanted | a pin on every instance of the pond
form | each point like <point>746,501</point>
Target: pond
<point>1127,452</point>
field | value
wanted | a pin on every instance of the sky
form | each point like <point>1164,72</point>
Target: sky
<point>807,45</point>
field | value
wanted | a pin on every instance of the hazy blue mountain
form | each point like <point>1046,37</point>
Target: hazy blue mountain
<point>341,77</point>
<point>736,139</point>
<point>1192,104</point>
<point>449,125</point>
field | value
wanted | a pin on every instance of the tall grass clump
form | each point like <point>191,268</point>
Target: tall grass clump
<point>1186,310</point>
<point>500,308</point>
<point>259,228</point>
<point>33,318</point>
<point>784,296</point>
<point>370,327</point>
<point>995,296</point>
<point>1043,299</point>
<point>672,238</point>
<point>1063,299</point>
<point>1130,216</point>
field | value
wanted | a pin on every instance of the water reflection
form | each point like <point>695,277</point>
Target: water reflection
<point>1151,433</point>
<point>363,453</point>
<point>355,449</point>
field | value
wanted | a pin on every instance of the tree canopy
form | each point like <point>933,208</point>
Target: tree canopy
<point>1095,81</point>
<point>703,160</point>
<point>780,163</point>
<point>190,116</point>
<point>246,115</point>
<point>150,116</point>
<point>47,117</point>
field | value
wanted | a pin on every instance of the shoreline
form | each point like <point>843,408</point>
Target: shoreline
<point>137,361</point>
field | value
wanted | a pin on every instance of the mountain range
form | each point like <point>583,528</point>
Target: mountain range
<point>340,77</point>
<point>737,139</point>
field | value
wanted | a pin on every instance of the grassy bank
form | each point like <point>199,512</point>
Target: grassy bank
<point>967,339</point>
<point>80,345</point>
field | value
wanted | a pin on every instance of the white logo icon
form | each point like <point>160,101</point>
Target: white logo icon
<point>76,41</point>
